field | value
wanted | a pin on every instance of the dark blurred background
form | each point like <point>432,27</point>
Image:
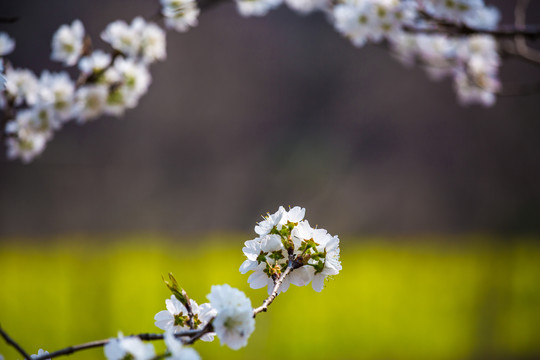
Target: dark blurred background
<point>248,114</point>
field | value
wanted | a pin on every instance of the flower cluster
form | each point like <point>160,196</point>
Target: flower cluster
<point>472,62</point>
<point>372,20</point>
<point>180,15</point>
<point>473,13</point>
<point>109,83</point>
<point>287,240</point>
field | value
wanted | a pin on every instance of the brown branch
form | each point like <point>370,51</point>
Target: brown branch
<point>520,42</point>
<point>13,343</point>
<point>277,284</point>
<point>195,334</point>
<point>9,19</point>
<point>451,29</point>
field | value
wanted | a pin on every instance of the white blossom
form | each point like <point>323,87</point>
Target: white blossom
<point>7,44</point>
<point>131,79</point>
<point>90,102</point>
<point>26,146</point>
<point>123,37</point>
<point>372,20</point>
<point>176,317</point>
<point>22,85</point>
<point>179,351</point>
<point>68,42</point>
<point>57,89</point>
<point>332,264</point>
<point>152,43</point>
<point>484,18</point>
<point>97,61</point>
<point>131,347</point>
<point>137,40</point>
<point>278,219</point>
<point>180,15</point>
<point>234,321</point>
<point>40,352</point>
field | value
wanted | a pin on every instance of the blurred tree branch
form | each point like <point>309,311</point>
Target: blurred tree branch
<point>13,343</point>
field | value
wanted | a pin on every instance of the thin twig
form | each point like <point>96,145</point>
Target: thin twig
<point>13,343</point>
<point>452,29</point>
<point>275,290</point>
<point>100,343</point>
<point>520,42</point>
<point>208,328</point>
<point>8,19</point>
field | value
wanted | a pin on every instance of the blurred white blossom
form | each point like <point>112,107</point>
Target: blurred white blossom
<point>22,85</point>
<point>97,61</point>
<point>177,350</point>
<point>68,42</point>
<point>90,102</point>
<point>180,15</point>
<point>7,44</point>
<point>57,90</point>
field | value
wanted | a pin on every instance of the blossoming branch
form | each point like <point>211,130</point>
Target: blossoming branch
<point>286,251</point>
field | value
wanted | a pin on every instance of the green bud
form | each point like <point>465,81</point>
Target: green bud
<point>177,291</point>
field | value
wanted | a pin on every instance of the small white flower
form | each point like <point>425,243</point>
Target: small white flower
<point>277,220</point>
<point>123,37</point>
<point>153,43</point>
<point>57,89</point>
<point>180,15</point>
<point>332,265</point>
<point>131,347</point>
<point>40,352</point>
<point>176,317</point>
<point>90,102</point>
<point>234,321</point>
<point>22,85</point>
<point>67,43</point>
<point>134,79</point>
<point>26,146</point>
<point>453,10</point>
<point>354,22</point>
<point>7,44</point>
<point>177,350</point>
<point>477,89</point>
<point>95,62</point>
<point>484,18</point>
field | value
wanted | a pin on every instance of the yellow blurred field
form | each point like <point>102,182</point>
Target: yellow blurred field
<point>425,299</point>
